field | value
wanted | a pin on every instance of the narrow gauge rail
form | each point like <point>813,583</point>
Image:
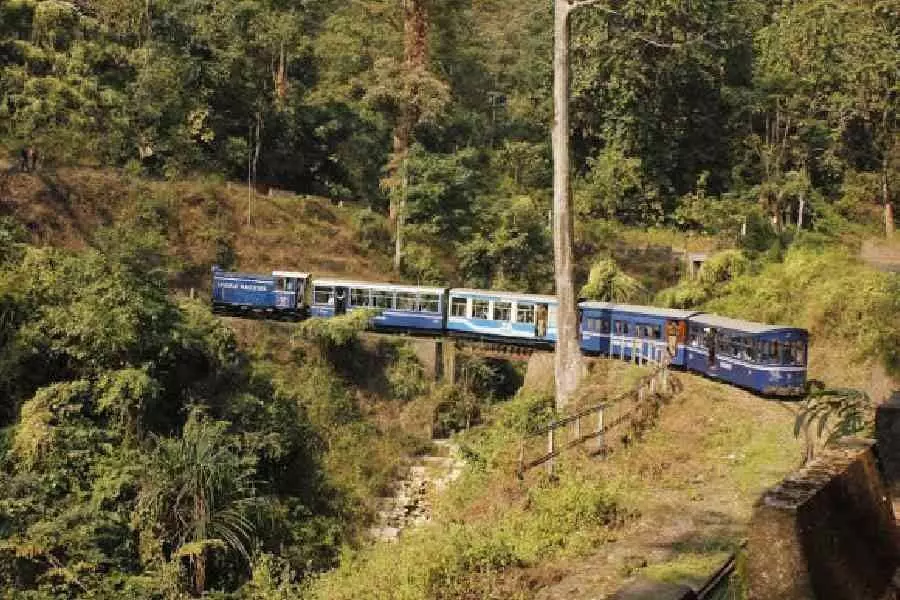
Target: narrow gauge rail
<point>766,359</point>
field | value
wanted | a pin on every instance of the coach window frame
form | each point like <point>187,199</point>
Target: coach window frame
<point>502,311</point>
<point>481,309</point>
<point>328,296</point>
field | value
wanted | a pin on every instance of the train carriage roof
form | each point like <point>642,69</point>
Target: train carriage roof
<point>538,298</point>
<point>740,325</point>
<point>652,311</point>
<point>371,285</point>
<point>219,274</point>
<point>295,274</point>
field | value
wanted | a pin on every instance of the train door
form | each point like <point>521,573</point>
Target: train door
<point>285,294</point>
<point>672,338</point>
<point>541,314</point>
<point>711,346</point>
<point>341,297</point>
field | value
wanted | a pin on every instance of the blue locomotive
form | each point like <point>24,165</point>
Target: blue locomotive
<point>283,293</point>
<point>768,359</point>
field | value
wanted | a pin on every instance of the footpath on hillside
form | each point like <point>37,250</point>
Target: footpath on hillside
<point>410,503</point>
<point>689,487</point>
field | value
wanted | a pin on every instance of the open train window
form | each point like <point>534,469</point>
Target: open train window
<point>406,301</point>
<point>695,336</point>
<point>798,353</point>
<point>359,297</point>
<point>525,313</point>
<point>382,299</point>
<point>502,311</point>
<point>323,295</point>
<point>480,309</point>
<point>429,303</point>
<point>458,307</point>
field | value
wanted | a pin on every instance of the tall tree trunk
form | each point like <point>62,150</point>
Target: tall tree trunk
<point>568,358</point>
<point>886,198</point>
<point>415,60</point>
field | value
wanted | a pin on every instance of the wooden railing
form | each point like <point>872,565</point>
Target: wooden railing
<point>628,413</point>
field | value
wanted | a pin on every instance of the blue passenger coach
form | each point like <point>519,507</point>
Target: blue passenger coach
<point>501,316</point>
<point>629,331</point>
<point>769,359</point>
<point>403,307</point>
<point>282,292</point>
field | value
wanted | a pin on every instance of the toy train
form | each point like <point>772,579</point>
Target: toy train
<point>767,359</point>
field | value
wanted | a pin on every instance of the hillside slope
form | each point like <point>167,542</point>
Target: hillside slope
<point>205,222</point>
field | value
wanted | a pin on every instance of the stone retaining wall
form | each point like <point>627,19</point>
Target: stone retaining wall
<point>825,532</point>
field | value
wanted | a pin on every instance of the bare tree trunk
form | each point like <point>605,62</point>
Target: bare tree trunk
<point>415,58</point>
<point>401,217</point>
<point>567,358</point>
<point>886,198</point>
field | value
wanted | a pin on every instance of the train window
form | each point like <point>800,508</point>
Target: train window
<point>279,284</point>
<point>525,313</point>
<point>798,353</point>
<point>406,301</point>
<point>617,327</point>
<point>381,299</point>
<point>480,309</point>
<point>695,336</point>
<point>604,325</point>
<point>458,307</point>
<point>502,311</point>
<point>359,297</point>
<point>430,303</point>
<point>323,295</point>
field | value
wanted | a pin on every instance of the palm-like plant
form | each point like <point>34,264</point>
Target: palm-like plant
<point>197,495</point>
<point>608,283</point>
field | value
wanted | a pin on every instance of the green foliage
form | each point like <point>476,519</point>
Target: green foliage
<point>196,496</point>
<point>336,331</point>
<point>723,266</point>
<point>141,454</point>
<point>830,414</point>
<point>456,557</point>
<point>608,283</point>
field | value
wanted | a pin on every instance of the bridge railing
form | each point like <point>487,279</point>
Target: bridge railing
<point>605,424</point>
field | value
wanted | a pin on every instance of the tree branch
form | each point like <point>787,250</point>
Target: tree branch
<point>576,4</point>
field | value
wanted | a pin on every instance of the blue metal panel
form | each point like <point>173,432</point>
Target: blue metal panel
<point>399,319</point>
<point>501,330</point>
<point>243,290</point>
<point>766,379</point>
<point>593,342</point>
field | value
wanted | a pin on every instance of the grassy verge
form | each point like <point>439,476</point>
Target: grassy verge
<point>670,506</point>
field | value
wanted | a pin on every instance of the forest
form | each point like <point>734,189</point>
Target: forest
<point>146,453</point>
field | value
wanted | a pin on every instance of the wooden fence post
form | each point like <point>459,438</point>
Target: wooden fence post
<point>600,430</point>
<point>550,450</point>
<point>521,470</point>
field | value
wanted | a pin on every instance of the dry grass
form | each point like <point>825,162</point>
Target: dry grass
<point>65,207</point>
<point>690,485</point>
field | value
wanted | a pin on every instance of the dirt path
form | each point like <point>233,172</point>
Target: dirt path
<point>882,255</point>
<point>411,502</point>
<point>690,486</point>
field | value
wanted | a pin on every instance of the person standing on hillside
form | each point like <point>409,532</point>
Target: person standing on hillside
<point>29,159</point>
